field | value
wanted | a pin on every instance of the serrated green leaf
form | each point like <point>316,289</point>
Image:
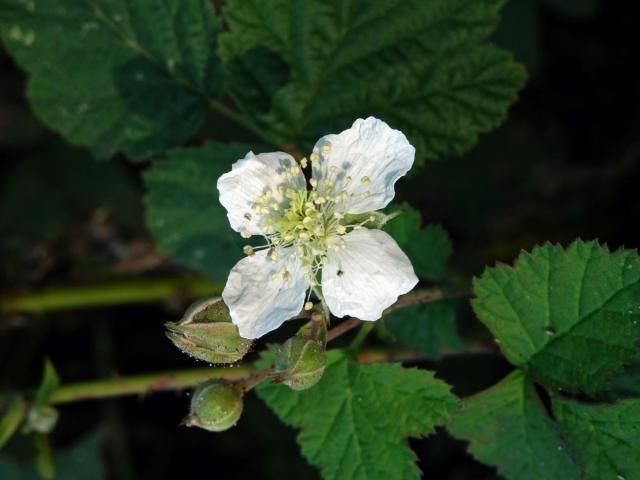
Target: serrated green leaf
<point>571,317</point>
<point>183,212</point>
<point>356,420</point>
<point>50,381</point>
<point>116,75</point>
<point>429,327</point>
<point>604,438</point>
<point>13,411</point>
<point>508,427</point>
<point>428,248</point>
<point>302,69</point>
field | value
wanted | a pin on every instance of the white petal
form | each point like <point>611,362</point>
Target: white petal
<point>252,177</point>
<point>367,160</point>
<point>257,302</point>
<point>367,275</point>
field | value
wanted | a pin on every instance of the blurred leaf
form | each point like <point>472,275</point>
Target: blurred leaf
<point>81,462</point>
<point>13,410</point>
<point>50,381</point>
<point>519,32</point>
<point>571,317</point>
<point>574,8</point>
<point>73,185</point>
<point>604,438</point>
<point>356,420</point>
<point>183,212</point>
<point>428,248</point>
<point>130,76</point>
<point>508,427</point>
<point>424,67</point>
<point>45,462</point>
<point>430,327</point>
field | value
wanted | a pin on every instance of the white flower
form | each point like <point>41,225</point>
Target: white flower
<point>317,238</point>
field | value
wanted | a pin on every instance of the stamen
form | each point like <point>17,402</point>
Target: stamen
<point>248,250</point>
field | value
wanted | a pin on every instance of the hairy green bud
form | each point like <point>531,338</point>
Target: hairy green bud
<point>206,333</point>
<point>216,406</point>
<point>300,362</point>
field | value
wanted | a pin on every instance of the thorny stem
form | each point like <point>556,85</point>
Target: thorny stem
<point>244,374</point>
<point>254,380</point>
<point>122,292</point>
<point>184,379</point>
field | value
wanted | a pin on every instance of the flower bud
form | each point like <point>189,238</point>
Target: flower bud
<point>300,362</point>
<point>41,419</point>
<point>206,333</point>
<point>216,406</point>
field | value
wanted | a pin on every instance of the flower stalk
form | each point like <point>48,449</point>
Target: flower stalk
<point>244,374</point>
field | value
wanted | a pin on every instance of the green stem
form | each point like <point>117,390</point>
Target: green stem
<point>182,379</point>
<point>142,384</point>
<point>121,292</point>
<point>361,336</point>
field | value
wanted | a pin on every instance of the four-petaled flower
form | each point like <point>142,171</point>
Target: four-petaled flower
<point>321,237</point>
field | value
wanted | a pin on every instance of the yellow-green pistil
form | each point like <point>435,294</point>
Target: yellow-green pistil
<point>307,220</point>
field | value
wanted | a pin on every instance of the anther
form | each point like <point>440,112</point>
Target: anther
<point>365,180</point>
<point>308,306</point>
<point>248,250</point>
<point>245,234</point>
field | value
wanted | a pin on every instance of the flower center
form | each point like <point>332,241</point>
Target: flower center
<point>308,220</point>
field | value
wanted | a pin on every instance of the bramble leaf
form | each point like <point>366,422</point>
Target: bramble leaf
<point>508,427</point>
<point>355,422</point>
<point>428,248</point>
<point>130,76</point>
<point>183,211</point>
<point>570,316</point>
<point>430,327</point>
<point>304,69</point>
<point>604,438</point>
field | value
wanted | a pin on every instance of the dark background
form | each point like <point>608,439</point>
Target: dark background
<point>564,165</point>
